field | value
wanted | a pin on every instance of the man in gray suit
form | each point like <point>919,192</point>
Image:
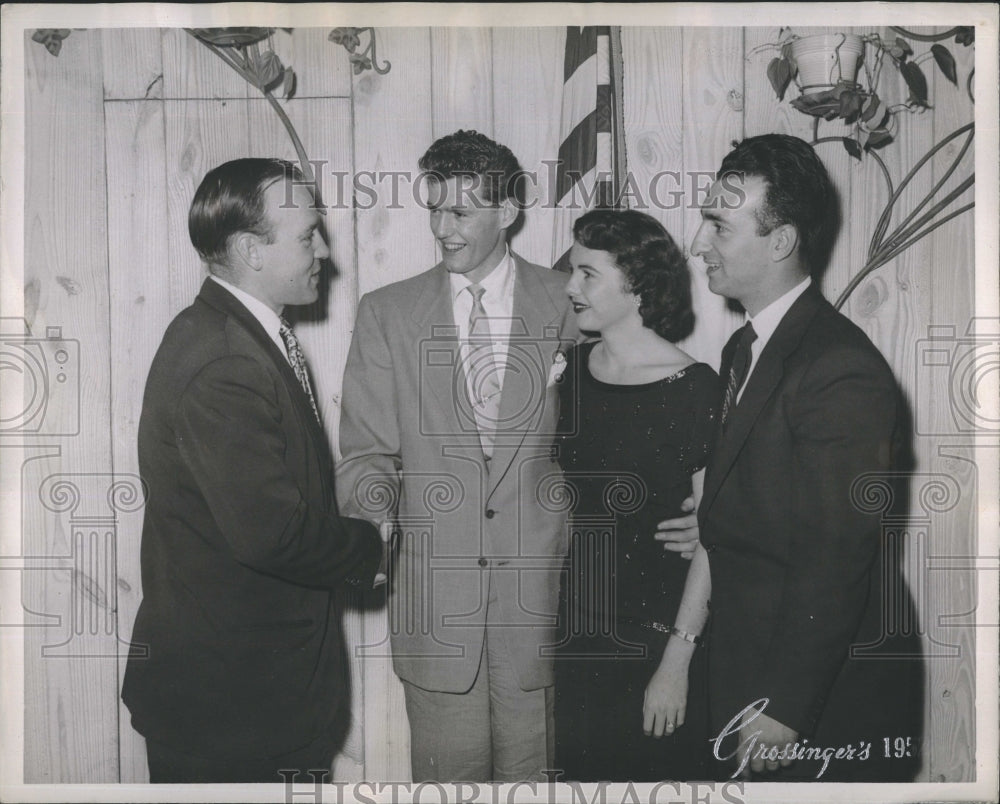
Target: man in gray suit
<point>449,411</point>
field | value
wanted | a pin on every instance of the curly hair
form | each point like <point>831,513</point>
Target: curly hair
<point>230,199</point>
<point>799,191</point>
<point>654,267</point>
<point>468,154</point>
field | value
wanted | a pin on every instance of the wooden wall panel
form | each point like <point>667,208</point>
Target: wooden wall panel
<point>139,280</point>
<point>322,68</point>
<point>527,85</point>
<point>712,119</point>
<point>948,283</point>
<point>654,130</point>
<point>392,129</point>
<point>133,63</point>
<point>70,689</point>
<point>461,80</point>
<point>192,71</point>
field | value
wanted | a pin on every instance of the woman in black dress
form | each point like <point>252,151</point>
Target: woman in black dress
<point>637,418</point>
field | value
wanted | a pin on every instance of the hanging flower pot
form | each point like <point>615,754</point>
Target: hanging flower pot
<point>825,60</point>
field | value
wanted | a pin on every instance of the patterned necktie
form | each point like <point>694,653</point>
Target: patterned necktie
<point>738,370</point>
<point>298,363</point>
<point>483,372</point>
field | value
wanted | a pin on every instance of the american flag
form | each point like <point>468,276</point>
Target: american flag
<point>591,163</point>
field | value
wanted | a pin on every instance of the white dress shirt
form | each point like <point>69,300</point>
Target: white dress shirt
<point>498,302</point>
<point>268,319</point>
<point>766,322</point>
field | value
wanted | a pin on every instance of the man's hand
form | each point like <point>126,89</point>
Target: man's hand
<point>680,535</point>
<point>769,732</point>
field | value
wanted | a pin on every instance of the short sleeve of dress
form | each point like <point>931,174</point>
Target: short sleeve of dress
<point>706,397</point>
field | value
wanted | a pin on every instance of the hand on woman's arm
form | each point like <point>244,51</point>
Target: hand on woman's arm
<point>665,703</point>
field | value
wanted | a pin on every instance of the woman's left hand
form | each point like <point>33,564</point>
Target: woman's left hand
<point>665,702</point>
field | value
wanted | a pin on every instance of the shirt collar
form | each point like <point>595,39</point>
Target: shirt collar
<point>767,320</point>
<point>499,283</point>
<point>268,319</point>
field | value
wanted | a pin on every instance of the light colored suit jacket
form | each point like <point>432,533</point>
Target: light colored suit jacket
<point>411,453</point>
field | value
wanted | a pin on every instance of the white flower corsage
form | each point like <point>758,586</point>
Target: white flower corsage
<point>557,368</point>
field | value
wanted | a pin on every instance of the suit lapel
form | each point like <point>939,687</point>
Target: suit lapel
<point>760,387</point>
<point>214,294</point>
<point>534,329</point>
<point>440,367</point>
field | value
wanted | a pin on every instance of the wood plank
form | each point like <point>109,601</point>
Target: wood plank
<point>712,119</point>
<point>654,132</point>
<point>527,80</point>
<point>133,63</point>
<point>70,689</point>
<point>200,135</point>
<point>322,68</point>
<point>392,129</point>
<point>950,275</point>
<point>192,71</point>
<point>462,80</point>
<point>140,312</point>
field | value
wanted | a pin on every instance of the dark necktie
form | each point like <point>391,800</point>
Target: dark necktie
<point>738,371</point>
<point>298,363</point>
<point>483,372</point>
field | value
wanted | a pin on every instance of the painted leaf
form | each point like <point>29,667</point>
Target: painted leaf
<point>946,62</point>
<point>965,35</point>
<point>850,106</point>
<point>878,139</point>
<point>779,73</point>
<point>870,108</point>
<point>904,46</point>
<point>852,147</point>
<point>289,84</point>
<point>270,71</point>
<point>916,82</point>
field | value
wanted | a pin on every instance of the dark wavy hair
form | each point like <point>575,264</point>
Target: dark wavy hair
<point>799,191</point>
<point>230,199</point>
<point>468,154</point>
<point>654,267</point>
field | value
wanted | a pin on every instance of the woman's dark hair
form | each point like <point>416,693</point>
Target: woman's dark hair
<point>654,268</point>
<point>230,199</point>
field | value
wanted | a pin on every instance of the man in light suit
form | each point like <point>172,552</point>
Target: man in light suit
<point>236,670</point>
<point>447,429</point>
<point>796,561</point>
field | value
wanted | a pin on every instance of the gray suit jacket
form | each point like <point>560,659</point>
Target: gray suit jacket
<point>411,452</point>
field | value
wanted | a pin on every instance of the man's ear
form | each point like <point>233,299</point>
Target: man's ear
<point>508,213</point>
<point>784,241</point>
<point>245,247</point>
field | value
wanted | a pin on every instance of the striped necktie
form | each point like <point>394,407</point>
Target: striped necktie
<point>298,363</point>
<point>738,371</point>
<point>483,372</point>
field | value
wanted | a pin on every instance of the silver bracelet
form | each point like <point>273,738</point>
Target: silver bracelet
<point>692,638</point>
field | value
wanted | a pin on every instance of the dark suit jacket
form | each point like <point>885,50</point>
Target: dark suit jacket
<point>793,559</point>
<point>241,545</point>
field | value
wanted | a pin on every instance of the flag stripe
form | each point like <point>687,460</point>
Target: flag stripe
<point>581,44</point>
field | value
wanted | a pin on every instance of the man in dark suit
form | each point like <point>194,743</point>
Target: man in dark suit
<point>236,669</point>
<point>810,408</point>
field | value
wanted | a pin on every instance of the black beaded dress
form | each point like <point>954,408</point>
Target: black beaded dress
<point>628,453</point>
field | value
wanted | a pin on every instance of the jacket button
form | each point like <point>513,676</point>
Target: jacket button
<point>483,562</point>
<point>490,513</point>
